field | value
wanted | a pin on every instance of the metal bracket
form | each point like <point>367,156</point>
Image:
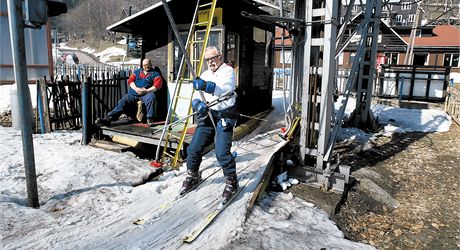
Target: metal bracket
<point>328,180</point>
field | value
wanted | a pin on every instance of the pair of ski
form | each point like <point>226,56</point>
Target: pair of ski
<point>189,238</point>
<point>165,206</point>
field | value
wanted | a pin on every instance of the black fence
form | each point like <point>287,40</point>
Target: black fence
<point>60,101</point>
<point>106,90</point>
<point>66,105</point>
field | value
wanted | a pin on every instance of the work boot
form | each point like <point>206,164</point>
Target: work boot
<point>150,122</point>
<point>231,186</point>
<point>103,121</point>
<point>190,182</point>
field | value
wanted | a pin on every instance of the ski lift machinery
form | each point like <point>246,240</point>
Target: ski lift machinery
<point>316,31</point>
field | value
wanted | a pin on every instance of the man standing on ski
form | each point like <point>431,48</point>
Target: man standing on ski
<point>217,81</point>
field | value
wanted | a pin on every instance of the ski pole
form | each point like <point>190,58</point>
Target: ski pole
<point>213,103</point>
<point>253,117</point>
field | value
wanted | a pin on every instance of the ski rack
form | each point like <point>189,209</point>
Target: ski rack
<point>195,66</point>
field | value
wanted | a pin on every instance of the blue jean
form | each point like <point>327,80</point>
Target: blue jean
<point>149,100</point>
<point>204,134</point>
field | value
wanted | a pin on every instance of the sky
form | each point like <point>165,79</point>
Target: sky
<point>89,197</point>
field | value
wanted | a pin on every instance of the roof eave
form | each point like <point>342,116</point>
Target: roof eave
<point>132,17</point>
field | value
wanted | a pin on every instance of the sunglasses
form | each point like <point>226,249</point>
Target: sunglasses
<point>211,59</point>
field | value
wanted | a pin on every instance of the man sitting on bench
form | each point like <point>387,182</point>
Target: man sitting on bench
<point>143,84</point>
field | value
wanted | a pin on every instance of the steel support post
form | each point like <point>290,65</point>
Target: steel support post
<point>362,115</point>
<point>319,63</point>
<point>16,25</point>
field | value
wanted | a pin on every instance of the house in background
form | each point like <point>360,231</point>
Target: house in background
<point>435,64</point>
<point>440,47</point>
<point>437,46</point>
<point>283,58</point>
<point>402,13</point>
<point>38,51</point>
<point>390,47</point>
<point>394,12</point>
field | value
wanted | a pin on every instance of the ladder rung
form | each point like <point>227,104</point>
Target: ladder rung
<point>176,118</point>
<point>174,136</point>
<point>183,97</point>
<point>205,5</point>
<point>168,154</point>
<point>201,23</point>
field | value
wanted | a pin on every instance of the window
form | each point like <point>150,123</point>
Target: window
<point>352,57</point>
<point>178,55</point>
<point>215,39</point>
<point>388,7</point>
<point>398,18</point>
<point>411,18</point>
<point>341,58</point>
<point>233,52</point>
<point>286,58</point>
<point>391,58</point>
<point>406,6</point>
<point>451,60</point>
<point>420,59</point>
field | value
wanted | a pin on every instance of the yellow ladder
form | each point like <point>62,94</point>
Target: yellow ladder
<point>169,158</point>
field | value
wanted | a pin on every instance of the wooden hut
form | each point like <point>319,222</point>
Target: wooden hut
<point>246,44</point>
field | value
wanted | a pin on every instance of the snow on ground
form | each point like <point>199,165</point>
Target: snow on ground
<point>395,119</point>
<point>88,198</point>
<point>132,62</point>
<point>105,55</point>
<point>283,221</point>
<point>5,96</point>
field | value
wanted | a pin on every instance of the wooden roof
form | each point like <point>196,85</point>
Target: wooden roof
<point>152,21</point>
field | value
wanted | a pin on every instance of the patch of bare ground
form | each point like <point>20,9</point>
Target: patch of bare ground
<point>407,193</point>
<point>5,119</point>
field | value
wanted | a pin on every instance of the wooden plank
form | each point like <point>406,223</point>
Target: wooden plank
<point>45,105</point>
<point>111,146</point>
<point>264,181</point>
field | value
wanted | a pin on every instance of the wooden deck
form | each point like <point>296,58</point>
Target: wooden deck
<point>142,133</point>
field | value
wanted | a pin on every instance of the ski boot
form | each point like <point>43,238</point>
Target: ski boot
<point>190,182</point>
<point>231,186</point>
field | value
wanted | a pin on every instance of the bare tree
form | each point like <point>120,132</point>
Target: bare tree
<point>87,19</point>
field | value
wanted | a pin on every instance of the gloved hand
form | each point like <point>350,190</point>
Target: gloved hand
<point>200,84</point>
<point>200,107</point>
